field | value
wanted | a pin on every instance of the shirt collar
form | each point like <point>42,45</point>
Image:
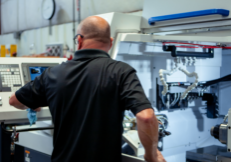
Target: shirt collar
<point>90,53</point>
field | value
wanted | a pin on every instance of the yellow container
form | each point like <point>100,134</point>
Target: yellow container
<point>13,49</point>
<point>3,51</point>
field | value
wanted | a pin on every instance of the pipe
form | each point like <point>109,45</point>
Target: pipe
<point>194,61</point>
<point>163,101</point>
<point>225,118</point>
<point>190,61</point>
<point>166,72</point>
<point>175,99</point>
<point>79,13</point>
<point>193,74</point>
<point>186,61</point>
<point>168,101</point>
<point>165,85</point>
<point>163,72</point>
<point>179,94</point>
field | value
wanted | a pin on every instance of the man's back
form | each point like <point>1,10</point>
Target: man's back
<point>87,97</point>
<point>84,103</point>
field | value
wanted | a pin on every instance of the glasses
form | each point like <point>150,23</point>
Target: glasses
<point>75,38</point>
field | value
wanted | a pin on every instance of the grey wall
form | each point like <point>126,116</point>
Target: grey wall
<point>20,15</point>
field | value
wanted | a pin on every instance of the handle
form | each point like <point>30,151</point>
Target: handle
<point>174,53</point>
<point>222,12</point>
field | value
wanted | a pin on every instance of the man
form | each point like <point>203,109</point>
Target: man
<point>87,97</point>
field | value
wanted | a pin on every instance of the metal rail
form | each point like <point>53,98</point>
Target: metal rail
<point>25,129</point>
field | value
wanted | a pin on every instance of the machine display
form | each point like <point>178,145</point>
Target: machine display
<point>36,71</point>
<point>32,70</point>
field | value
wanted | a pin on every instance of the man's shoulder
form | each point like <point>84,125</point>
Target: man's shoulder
<point>121,65</point>
<point>57,68</point>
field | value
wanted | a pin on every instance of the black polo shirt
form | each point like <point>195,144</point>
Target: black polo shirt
<point>86,97</point>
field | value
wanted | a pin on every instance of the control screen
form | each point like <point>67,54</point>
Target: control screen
<point>36,71</point>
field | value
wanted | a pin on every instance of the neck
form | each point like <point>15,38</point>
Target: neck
<point>94,45</point>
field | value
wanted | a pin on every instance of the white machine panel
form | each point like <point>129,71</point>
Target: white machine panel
<point>153,8</point>
<point>12,77</point>
<point>121,23</point>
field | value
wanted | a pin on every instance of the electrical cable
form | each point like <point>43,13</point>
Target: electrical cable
<point>178,97</point>
<point>208,83</point>
<point>187,47</point>
<point>192,44</point>
<point>200,45</point>
<point>225,118</point>
<point>163,101</point>
<point>207,47</point>
<point>174,101</point>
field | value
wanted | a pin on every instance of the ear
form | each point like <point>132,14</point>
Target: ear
<point>80,42</point>
<point>111,40</point>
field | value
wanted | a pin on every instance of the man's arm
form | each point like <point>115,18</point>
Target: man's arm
<point>32,95</point>
<point>148,132</point>
<point>133,98</point>
<point>15,102</point>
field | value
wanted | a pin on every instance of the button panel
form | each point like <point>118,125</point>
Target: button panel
<point>10,79</point>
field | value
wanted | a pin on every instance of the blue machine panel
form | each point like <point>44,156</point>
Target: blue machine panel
<point>222,12</point>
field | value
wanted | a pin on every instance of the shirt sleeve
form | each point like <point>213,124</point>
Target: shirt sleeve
<point>132,94</point>
<point>33,93</point>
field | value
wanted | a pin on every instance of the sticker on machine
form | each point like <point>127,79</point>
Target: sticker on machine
<point>27,158</point>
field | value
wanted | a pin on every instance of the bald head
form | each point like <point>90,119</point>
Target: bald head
<point>95,29</point>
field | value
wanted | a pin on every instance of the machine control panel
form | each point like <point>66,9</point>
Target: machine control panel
<point>14,74</point>
<point>10,79</point>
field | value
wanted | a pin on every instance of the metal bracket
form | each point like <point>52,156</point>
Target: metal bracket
<point>174,53</point>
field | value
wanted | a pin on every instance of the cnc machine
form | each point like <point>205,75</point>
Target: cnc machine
<point>181,51</point>
<point>14,73</point>
<point>182,56</point>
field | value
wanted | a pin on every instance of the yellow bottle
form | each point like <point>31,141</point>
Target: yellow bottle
<point>3,51</point>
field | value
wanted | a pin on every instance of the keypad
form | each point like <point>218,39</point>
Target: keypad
<point>10,78</point>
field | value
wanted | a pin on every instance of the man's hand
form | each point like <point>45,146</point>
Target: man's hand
<point>158,157</point>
